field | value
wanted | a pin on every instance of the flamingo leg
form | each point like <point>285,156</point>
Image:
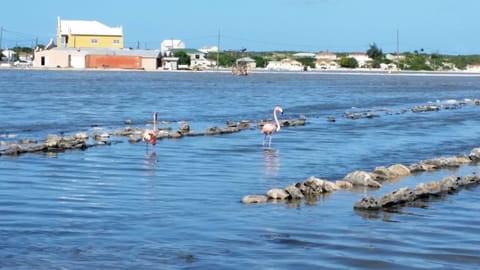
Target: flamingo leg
<point>265,138</point>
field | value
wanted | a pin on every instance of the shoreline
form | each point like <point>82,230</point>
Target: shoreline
<point>368,72</point>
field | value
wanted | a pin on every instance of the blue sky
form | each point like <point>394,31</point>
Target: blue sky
<point>437,26</point>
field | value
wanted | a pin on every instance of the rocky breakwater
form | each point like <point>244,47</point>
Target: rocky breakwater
<point>135,134</point>
<point>312,188</point>
<point>431,107</point>
<point>52,143</point>
<point>417,196</point>
<point>82,141</point>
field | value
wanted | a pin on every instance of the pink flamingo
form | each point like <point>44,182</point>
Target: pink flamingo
<point>269,129</point>
<point>150,135</point>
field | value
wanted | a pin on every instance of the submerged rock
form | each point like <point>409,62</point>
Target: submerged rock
<point>249,199</point>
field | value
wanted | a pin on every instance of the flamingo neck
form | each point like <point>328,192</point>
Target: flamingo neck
<point>276,120</point>
<point>154,122</point>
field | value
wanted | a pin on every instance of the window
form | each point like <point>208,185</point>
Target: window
<point>116,41</point>
<point>94,41</point>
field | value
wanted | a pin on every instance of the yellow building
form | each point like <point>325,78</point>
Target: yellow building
<point>88,34</point>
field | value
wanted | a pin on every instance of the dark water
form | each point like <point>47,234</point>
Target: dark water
<point>116,207</point>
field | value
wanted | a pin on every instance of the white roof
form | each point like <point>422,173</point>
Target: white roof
<point>170,44</point>
<point>77,27</point>
<point>304,55</point>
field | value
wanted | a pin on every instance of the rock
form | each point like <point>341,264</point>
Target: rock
<point>27,141</point>
<point>320,185</point>
<point>13,149</point>
<point>426,108</point>
<point>184,128</point>
<point>368,203</point>
<point>174,135</point>
<point>450,162</point>
<point>382,173</point>
<point>475,154</point>
<point>277,194</point>
<point>244,124</point>
<point>448,184</point>
<point>249,199</point>
<point>213,131</point>
<point>399,170</point>
<point>361,178</point>
<point>397,197</point>
<point>294,192</point>
<point>37,148</point>
<point>52,140</point>
<point>420,167</point>
<point>81,136</point>
<point>134,139</point>
<point>343,184</point>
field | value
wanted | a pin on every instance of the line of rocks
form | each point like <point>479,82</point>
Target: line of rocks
<point>312,187</point>
<point>53,143</point>
<point>418,196</point>
<point>416,109</point>
<point>135,134</point>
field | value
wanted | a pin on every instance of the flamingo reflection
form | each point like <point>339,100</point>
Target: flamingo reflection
<point>150,163</point>
<point>271,162</point>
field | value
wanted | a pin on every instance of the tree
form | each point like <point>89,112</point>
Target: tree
<point>225,59</point>
<point>183,58</point>
<point>260,61</point>
<point>374,52</point>
<point>376,55</point>
<point>348,62</point>
<point>307,61</point>
<point>416,62</point>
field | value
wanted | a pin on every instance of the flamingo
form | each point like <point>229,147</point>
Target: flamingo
<point>150,135</point>
<point>269,129</point>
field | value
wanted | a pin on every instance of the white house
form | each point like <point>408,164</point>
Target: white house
<point>9,54</point>
<point>285,65</point>
<point>473,68</point>
<point>362,58</point>
<point>326,56</point>
<point>326,60</point>
<point>303,54</point>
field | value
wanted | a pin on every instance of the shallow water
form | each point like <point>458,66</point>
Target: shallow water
<point>178,207</point>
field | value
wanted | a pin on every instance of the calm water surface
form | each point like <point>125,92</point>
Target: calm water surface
<point>178,206</point>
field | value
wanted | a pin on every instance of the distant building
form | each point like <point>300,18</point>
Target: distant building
<point>88,34</point>
<point>303,54</point>
<point>171,44</point>
<point>326,60</point>
<point>97,58</point>
<point>362,58</point>
<point>10,55</point>
<point>209,49</point>
<point>326,56</point>
<point>198,60</point>
<point>473,68</point>
<point>286,65</point>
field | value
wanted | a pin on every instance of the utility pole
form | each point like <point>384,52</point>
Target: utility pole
<point>218,49</point>
<point>1,36</point>
<point>398,43</point>
<point>398,50</point>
